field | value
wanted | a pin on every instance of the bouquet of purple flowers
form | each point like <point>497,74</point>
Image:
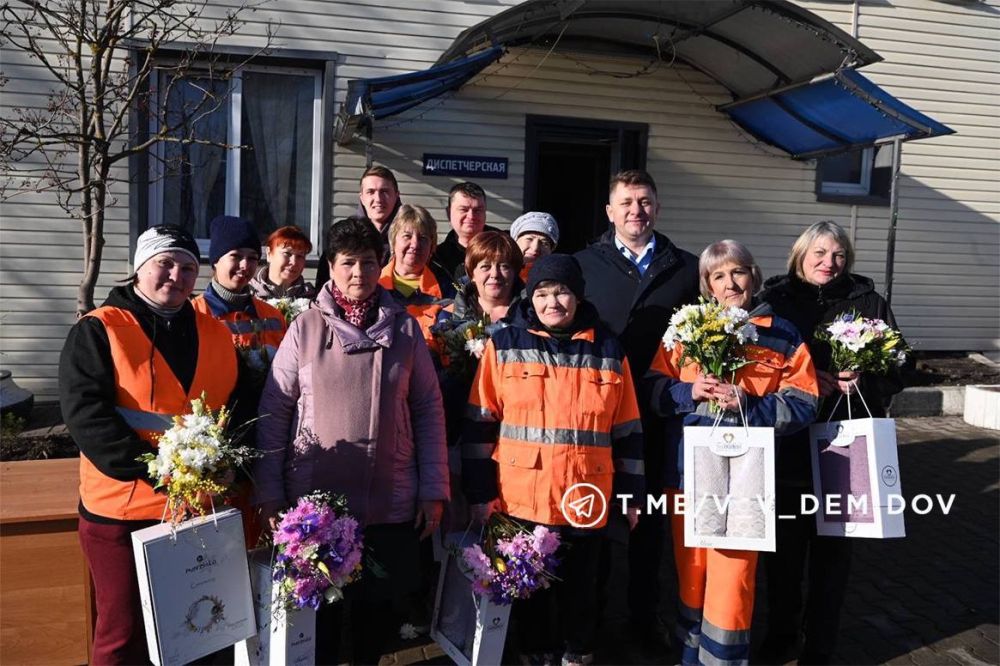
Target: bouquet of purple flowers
<point>862,344</point>
<point>512,563</point>
<point>319,549</point>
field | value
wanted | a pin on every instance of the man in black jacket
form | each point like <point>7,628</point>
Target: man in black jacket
<point>378,201</point>
<point>467,216</point>
<point>636,278</point>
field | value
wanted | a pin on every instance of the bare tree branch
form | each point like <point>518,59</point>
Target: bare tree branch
<point>104,58</point>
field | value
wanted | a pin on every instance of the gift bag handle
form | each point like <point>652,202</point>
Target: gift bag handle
<point>173,525</point>
<point>743,416</point>
<point>854,383</point>
<point>739,405</point>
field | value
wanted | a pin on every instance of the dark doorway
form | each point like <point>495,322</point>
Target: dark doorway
<point>568,162</point>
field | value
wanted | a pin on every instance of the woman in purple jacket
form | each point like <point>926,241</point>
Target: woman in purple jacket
<point>352,406</point>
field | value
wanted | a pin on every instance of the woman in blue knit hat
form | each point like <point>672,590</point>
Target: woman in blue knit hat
<point>234,254</point>
<point>257,328</point>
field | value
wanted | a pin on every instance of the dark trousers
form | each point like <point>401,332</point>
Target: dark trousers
<point>376,606</point>
<point>829,566</point>
<point>645,552</point>
<point>372,628</point>
<point>119,635</point>
<point>564,616</point>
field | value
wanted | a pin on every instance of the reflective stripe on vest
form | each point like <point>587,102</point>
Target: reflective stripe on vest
<point>266,328</point>
<point>140,420</point>
<point>147,395</point>
<point>555,435</point>
<point>243,326</point>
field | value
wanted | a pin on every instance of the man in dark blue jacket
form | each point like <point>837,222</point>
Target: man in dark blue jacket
<point>636,278</point>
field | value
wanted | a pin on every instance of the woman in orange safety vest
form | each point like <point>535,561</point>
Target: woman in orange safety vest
<point>126,369</point>
<point>552,407</point>
<point>256,327</point>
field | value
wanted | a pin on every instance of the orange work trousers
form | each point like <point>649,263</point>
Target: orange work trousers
<point>716,590</point>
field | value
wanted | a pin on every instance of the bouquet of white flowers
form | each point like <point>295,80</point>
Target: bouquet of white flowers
<point>195,459</point>
<point>712,336</point>
<point>863,345</point>
<point>290,308</point>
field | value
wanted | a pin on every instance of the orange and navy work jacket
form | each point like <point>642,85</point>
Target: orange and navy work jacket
<point>148,396</point>
<point>780,384</point>
<point>434,294</point>
<point>261,325</point>
<point>546,414</point>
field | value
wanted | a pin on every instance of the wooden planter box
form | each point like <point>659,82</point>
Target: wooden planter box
<point>45,592</point>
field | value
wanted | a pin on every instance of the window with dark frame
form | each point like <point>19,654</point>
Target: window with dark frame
<point>861,177</point>
<point>262,156</point>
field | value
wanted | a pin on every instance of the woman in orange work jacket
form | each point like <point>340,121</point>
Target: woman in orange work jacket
<point>553,407</point>
<point>423,288</point>
<point>234,254</point>
<point>256,328</point>
<point>776,389</point>
<point>125,370</point>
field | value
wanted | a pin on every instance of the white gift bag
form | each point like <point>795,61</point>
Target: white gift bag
<point>284,637</point>
<point>194,586</point>
<point>468,627</point>
<point>729,487</point>
<point>855,478</point>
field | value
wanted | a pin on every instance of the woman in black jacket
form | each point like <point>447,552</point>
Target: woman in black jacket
<point>818,288</point>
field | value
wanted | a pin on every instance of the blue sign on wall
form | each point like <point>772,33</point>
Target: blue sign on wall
<point>467,166</point>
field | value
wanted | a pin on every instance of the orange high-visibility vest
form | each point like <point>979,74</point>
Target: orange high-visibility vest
<point>265,330</point>
<point>148,396</point>
<point>426,307</point>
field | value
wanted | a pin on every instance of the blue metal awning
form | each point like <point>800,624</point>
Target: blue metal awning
<point>792,75</point>
<point>373,99</point>
<point>832,114</point>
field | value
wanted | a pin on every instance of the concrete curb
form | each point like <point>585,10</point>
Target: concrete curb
<point>928,401</point>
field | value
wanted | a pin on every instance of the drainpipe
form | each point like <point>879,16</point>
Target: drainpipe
<point>890,250</point>
<point>854,207</point>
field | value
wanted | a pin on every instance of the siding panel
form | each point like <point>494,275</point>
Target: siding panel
<point>714,180</point>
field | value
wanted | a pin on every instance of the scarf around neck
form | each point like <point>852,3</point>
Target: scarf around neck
<point>358,313</point>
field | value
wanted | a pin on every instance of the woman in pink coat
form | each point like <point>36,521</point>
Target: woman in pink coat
<point>352,406</point>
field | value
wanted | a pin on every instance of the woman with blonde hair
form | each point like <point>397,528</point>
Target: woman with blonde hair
<point>818,288</point>
<point>421,286</point>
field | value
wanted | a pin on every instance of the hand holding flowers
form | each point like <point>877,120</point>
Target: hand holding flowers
<point>195,459</point>
<point>712,336</point>
<point>861,345</point>
<point>318,551</point>
<point>512,563</point>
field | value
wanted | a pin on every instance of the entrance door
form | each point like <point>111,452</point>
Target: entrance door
<point>568,163</point>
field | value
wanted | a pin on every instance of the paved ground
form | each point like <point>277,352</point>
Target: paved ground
<point>930,598</point>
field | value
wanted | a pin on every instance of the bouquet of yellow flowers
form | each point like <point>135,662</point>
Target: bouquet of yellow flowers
<point>711,335</point>
<point>195,459</point>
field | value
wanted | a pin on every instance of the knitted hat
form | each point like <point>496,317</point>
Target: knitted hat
<point>561,268</point>
<point>164,238</point>
<point>541,223</point>
<point>230,233</point>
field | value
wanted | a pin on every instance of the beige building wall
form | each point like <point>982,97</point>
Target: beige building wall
<point>715,181</point>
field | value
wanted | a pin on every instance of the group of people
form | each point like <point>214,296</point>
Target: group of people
<point>572,386</point>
